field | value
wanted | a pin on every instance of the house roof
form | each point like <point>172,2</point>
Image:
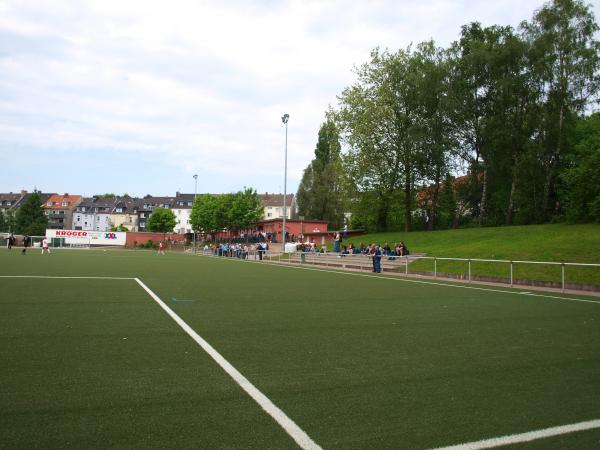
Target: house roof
<point>11,198</point>
<point>57,200</point>
<point>276,199</point>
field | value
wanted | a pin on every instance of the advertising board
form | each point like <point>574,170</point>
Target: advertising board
<point>82,237</point>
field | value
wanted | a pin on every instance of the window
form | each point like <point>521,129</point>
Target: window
<point>190,203</point>
<point>269,215</point>
<point>49,204</point>
<point>142,225</point>
<point>64,204</point>
<point>83,208</point>
<point>119,210</point>
<point>8,203</point>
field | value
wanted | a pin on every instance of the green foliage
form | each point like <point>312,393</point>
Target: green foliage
<point>119,228</point>
<point>238,211</point>
<point>245,210</point>
<point>30,218</point>
<point>150,245</point>
<point>498,105</point>
<point>204,216</point>
<point>319,193</point>
<point>581,178</point>
<point>3,222</point>
<point>162,220</point>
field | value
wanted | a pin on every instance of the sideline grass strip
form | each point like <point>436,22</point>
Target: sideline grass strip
<point>409,280</point>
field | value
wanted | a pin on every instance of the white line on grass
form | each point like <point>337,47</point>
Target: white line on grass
<point>525,437</point>
<point>433,283</point>
<point>66,278</point>
<point>301,438</point>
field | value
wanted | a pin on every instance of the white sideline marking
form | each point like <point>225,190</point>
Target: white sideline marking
<point>525,437</point>
<point>67,278</point>
<point>301,438</point>
<point>406,280</point>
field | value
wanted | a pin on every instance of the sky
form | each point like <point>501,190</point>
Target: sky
<point>137,96</point>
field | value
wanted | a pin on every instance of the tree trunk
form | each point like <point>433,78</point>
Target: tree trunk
<point>434,201</point>
<point>511,198</point>
<point>382,213</point>
<point>483,205</point>
<point>553,163</point>
<point>407,199</point>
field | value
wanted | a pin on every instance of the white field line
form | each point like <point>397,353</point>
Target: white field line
<point>525,437</point>
<point>66,278</point>
<point>301,438</point>
<point>406,280</point>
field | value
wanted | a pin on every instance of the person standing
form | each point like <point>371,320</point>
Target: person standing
<point>161,248</point>
<point>25,244</point>
<point>11,241</point>
<point>376,252</point>
<point>336,242</point>
<point>260,251</point>
<point>45,246</point>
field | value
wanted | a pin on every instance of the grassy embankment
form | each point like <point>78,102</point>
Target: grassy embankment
<point>555,242</point>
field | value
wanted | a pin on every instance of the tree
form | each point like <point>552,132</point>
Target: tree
<point>566,60</point>
<point>30,218</point>
<point>204,214</point>
<point>162,220</point>
<point>119,228</point>
<point>581,179</point>
<point>319,194</point>
<point>378,119</point>
<point>246,209</point>
<point>3,222</point>
<point>434,135</point>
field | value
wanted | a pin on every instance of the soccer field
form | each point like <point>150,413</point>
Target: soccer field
<point>348,360</point>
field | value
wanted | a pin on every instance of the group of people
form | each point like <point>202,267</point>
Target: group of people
<point>392,252</point>
<point>376,252</point>
<point>237,250</point>
<point>27,242</point>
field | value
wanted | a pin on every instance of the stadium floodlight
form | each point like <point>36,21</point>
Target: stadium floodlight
<point>284,119</point>
<point>195,195</point>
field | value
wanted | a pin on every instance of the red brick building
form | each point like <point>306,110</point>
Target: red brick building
<point>303,229</point>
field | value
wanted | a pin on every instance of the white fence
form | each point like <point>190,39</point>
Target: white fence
<point>469,272</point>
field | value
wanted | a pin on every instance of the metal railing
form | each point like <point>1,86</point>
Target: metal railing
<point>468,273</point>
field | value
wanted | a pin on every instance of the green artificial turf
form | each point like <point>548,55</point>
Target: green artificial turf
<point>555,243</point>
<point>356,361</point>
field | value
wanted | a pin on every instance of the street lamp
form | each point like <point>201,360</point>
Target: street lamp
<point>285,119</point>
<point>195,195</point>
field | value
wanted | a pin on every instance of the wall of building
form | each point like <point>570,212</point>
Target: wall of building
<point>141,238</point>
<point>183,220</point>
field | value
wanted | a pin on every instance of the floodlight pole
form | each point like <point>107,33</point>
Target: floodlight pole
<point>285,119</point>
<point>195,195</point>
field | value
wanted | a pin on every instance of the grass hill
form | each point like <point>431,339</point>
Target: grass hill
<point>554,242</point>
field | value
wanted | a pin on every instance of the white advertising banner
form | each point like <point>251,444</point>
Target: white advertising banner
<point>80,237</point>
